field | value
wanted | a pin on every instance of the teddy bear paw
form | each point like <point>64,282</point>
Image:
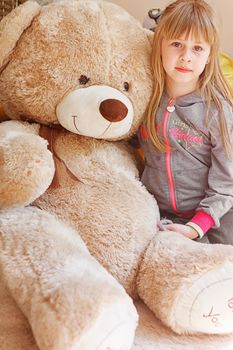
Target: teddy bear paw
<point>113,330</point>
<point>207,305</point>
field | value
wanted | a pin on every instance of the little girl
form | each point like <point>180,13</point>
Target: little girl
<point>186,136</point>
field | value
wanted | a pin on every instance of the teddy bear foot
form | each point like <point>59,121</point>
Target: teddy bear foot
<point>207,305</point>
<point>188,285</point>
<point>113,330</point>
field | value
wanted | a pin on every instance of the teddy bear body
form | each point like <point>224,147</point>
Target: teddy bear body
<point>75,80</point>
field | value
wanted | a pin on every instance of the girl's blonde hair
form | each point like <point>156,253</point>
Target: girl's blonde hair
<point>185,17</point>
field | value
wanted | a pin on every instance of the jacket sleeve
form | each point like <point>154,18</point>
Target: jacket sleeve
<point>219,194</point>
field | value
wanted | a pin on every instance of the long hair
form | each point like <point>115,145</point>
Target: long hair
<point>185,17</point>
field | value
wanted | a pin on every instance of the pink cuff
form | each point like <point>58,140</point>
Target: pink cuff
<point>203,220</point>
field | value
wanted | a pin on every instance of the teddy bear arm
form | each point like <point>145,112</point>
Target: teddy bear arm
<point>27,166</point>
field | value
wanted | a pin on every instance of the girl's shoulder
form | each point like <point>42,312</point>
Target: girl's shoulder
<point>218,102</point>
<point>221,104</point>
<point>221,113</point>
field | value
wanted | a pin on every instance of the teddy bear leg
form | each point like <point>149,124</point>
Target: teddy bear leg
<point>70,301</point>
<point>188,285</point>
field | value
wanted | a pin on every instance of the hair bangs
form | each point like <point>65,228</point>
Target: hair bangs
<point>194,22</point>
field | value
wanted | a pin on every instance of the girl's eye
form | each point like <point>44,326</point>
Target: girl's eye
<point>198,48</point>
<point>176,44</point>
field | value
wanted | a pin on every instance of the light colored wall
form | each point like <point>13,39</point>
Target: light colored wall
<point>224,9</point>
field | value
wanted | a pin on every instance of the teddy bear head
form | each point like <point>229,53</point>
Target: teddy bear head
<point>84,65</point>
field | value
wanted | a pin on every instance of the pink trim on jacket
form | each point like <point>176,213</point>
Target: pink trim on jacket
<point>168,162</point>
<point>203,220</point>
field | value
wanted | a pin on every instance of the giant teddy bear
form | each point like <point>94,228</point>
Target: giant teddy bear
<point>75,79</point>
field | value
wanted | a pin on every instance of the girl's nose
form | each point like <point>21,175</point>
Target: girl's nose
<point>183,59</point>
<point>185,56</point>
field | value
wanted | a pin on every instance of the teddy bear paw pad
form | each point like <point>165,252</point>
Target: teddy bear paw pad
<point>207,305</point>
<point>113,330</point>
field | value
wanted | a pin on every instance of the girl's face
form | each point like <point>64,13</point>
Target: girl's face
<point>183,60</point>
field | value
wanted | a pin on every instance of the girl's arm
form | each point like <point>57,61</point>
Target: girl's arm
<point>219,194</point>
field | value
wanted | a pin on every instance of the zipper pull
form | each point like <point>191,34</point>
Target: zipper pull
<point>171,107</point>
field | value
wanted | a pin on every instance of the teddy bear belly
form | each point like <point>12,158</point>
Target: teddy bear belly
<point>115,221</point>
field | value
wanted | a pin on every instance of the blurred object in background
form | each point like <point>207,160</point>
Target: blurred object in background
<point>226,63</point>
<point>151,19</point>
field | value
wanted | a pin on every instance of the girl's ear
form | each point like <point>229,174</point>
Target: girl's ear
<point>149,34</point>
<point>13,25</point>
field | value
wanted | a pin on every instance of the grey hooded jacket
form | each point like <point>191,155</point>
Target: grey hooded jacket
<point>194,173</point>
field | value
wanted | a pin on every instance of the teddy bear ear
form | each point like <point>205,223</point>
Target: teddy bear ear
<point>12,27</point>
<point>149,34</point>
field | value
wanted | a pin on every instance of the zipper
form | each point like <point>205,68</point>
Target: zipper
<point>170,108</point>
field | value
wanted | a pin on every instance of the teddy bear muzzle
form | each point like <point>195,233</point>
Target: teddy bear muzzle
<point>96,111</point>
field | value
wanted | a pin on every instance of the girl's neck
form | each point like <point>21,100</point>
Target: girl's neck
<point>180,89</point>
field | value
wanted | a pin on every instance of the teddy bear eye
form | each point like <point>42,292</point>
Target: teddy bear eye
<point>83,80</point>
<point>126,86</point>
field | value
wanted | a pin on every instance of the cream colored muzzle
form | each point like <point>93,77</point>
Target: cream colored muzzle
<point>96,111</point>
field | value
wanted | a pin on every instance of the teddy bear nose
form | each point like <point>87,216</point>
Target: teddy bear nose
<point>113,110</point>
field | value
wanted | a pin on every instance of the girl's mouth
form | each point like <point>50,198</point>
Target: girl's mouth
<point>183,70</point>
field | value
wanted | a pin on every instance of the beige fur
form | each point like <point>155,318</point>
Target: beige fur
<point>59,287</point>
<point>176,263</point>
<point>85,192</point>
<point>22,182</point>
<point>12,27</point>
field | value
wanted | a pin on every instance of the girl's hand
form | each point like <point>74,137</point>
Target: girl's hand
<point>187,231</point>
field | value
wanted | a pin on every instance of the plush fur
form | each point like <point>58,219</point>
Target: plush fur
<point>79,76</point>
